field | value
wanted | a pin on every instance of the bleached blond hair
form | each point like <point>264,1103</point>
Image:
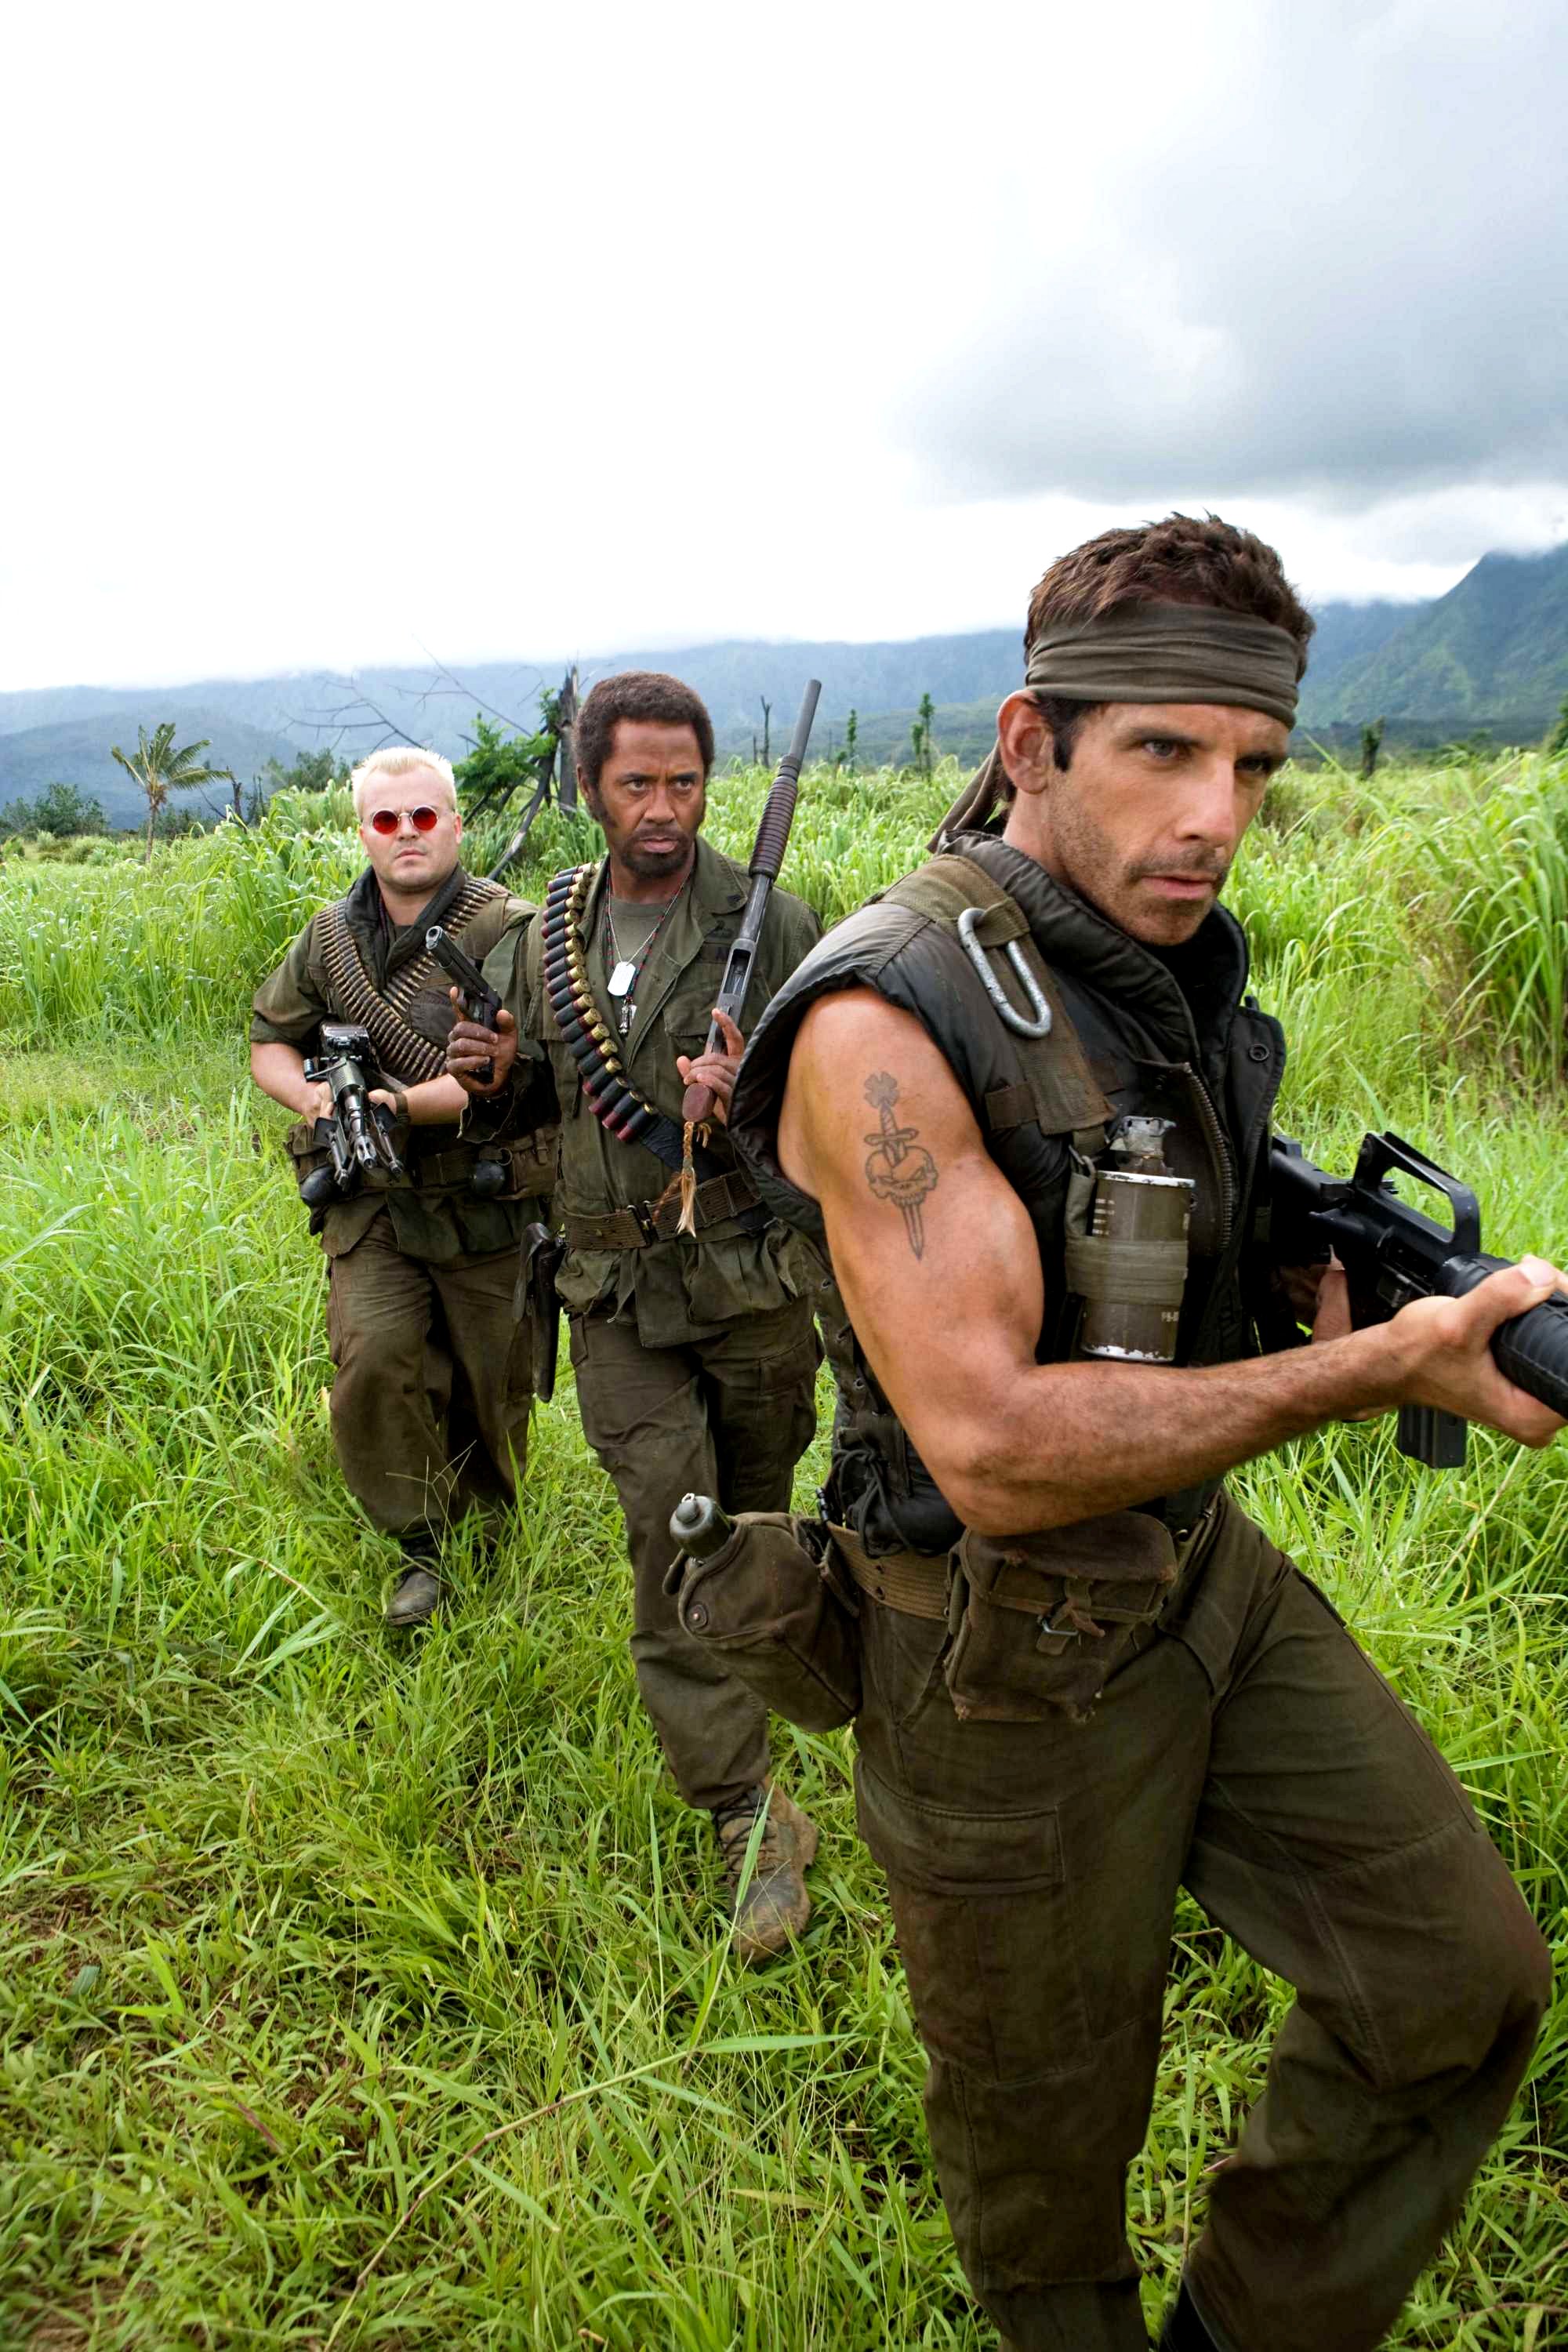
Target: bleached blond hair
<point>401,760</point>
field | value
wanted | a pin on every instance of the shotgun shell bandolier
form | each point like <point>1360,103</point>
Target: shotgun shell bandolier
<point>1081,1101</point>
<point>620,1104</point>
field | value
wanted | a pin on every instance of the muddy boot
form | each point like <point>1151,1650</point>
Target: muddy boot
<point>775,1907</point>
<point>416,1595</point>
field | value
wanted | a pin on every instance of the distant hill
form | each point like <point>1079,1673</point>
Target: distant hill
<point>76,751</point>
<point>1491,654</point>
<point>1347,635</point>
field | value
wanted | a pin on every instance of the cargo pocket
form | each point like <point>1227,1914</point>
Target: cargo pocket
<point>1041,1621</point>
<point>985,1932</point>
<point>772,1607</point>
<point>730,1275</point>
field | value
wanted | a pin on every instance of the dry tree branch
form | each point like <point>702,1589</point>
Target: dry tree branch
<point>458,686</point>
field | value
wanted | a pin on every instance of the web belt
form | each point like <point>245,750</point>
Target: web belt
<point>915,1583</point>
<point>656,1220</point>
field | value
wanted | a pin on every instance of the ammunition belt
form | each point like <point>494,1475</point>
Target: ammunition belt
<point>656,1220</point>
<point>401,1052</point>
<point>618,1106</point>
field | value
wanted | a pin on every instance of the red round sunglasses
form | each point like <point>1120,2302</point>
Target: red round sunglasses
<point>386,821</point>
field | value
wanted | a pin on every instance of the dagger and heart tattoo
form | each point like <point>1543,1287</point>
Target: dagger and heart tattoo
<point>897,1166</point>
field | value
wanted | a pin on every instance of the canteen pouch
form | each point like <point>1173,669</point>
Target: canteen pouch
<point>1040,1622</point>
<point>774,1608</point>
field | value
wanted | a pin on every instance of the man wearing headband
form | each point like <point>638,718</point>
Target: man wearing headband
<point>433,1369</point>
<point>1024,1101</point>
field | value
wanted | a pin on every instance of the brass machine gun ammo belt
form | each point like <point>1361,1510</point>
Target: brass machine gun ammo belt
<point>656,1220</point>
<point>406,1056</point>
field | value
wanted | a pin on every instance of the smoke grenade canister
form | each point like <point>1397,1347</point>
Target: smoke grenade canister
<point>1131,1269</point>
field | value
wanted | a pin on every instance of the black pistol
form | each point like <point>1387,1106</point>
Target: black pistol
<point>480,1001</point>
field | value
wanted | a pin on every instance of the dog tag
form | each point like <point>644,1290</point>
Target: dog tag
<point>622,976</point>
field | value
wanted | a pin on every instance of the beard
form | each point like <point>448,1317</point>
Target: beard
<point>631,849</point>
<point>654,865</point>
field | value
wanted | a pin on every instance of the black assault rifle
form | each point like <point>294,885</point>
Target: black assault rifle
<point>358,1132</point>
<point>1392,1254</point>
<point>767,856</point>
<point>480,1001</point>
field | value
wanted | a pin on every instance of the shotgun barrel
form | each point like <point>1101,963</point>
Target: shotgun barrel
<point>767,857</point>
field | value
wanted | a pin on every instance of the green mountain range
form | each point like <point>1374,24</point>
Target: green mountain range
<point>1490,654</point>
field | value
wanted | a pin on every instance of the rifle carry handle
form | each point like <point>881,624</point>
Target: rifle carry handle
<point>767,857</point>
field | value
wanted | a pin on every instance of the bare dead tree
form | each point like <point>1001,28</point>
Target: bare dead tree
<point>567,705</point>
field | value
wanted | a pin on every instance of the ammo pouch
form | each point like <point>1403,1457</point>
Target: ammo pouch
<point>774,1609</point>
<point>1039,1622</point>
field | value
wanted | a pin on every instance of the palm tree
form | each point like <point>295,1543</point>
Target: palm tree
<point>160,769</point>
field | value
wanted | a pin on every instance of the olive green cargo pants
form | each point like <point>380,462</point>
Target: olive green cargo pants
<point>1250,1753</point>
<point>729,1416</point>
<point>434,1382</point>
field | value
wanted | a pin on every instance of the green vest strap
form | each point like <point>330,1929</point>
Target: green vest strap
<point>1057,1094</point>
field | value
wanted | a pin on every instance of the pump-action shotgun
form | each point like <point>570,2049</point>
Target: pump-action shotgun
<point>767,856</point>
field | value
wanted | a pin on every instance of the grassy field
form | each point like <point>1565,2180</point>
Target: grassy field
<point>362,1997</point>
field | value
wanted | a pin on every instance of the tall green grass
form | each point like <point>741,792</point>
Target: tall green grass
<point>381,1999</point>
<point>1442,893</point>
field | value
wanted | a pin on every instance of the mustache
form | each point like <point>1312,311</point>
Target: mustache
<point>1186,868</point>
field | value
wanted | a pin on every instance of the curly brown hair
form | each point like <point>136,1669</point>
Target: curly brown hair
<point>638,694</point>
<point>1185,559</point>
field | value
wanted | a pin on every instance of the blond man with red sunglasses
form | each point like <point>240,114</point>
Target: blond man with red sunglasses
<point>433,1368</point>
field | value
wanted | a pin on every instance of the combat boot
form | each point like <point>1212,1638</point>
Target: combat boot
<point>775,1907</point>
<point>416,1595</point>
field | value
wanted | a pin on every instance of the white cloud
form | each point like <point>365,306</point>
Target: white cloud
<point>338,329</point>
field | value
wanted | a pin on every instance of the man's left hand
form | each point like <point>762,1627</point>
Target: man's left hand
<point>716,1070</point>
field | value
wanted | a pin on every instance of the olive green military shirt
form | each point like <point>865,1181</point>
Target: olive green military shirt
<point>683,1289</point>
<point>439,1223</point>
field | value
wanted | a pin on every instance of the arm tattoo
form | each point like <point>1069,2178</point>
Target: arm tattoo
<point>898,1169</point>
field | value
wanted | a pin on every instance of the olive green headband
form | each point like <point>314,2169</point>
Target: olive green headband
<point>1171,653</point>
<point>1152,653</point>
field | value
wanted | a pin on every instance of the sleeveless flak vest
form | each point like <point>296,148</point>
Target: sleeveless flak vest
<point>1055,1023</point>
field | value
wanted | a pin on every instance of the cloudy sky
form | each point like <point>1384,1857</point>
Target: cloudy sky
<point>340,331</point>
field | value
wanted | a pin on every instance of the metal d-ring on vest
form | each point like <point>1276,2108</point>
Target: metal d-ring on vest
<point>968,923</point>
